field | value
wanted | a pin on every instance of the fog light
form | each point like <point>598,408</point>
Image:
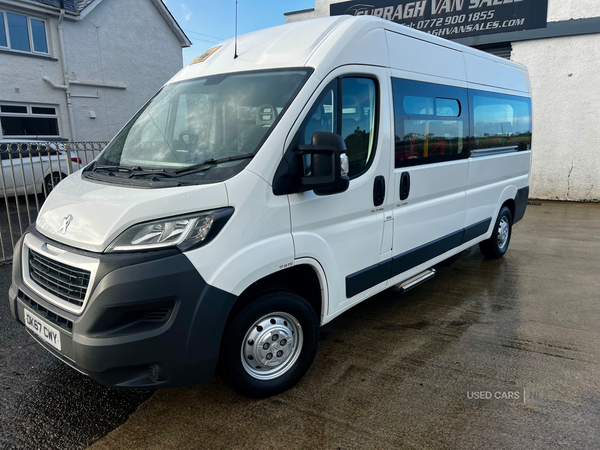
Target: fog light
<point>155,373</point>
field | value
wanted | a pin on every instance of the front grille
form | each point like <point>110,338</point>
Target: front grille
<point>65,282</point>
<point>62,322</point>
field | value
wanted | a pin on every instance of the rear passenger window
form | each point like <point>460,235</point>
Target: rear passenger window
<point>500,121</point>
<point>420,106</point>
<point>354,119</point>
<point>430,122</point>
<point>447,107</point>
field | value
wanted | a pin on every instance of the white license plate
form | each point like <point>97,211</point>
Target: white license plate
<point>43,330</point>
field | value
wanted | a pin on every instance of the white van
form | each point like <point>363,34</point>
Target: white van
<point>257,197</point>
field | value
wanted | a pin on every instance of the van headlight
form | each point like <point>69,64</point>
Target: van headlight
<point>186,232</point>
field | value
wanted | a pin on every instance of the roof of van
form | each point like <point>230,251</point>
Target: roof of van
<point>323,43</point>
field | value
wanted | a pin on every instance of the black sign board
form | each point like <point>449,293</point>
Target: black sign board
<point>453,19</point>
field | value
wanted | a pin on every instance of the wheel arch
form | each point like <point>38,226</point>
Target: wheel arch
<point>507,198</point>
<point>305,278</point>
<point>510,203</point>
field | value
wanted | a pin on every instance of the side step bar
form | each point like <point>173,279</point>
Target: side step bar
<point>415,281</point>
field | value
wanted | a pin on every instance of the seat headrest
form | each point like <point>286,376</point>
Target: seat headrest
<point>266,115</point>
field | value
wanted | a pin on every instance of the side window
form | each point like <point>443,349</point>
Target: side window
<point>358,121</point>
<point>500,121</point>
<point>430,122</point>
<point>354,119</point>
<point>323,115</point>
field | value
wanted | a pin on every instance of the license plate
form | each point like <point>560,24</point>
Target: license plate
<point>45,332</point>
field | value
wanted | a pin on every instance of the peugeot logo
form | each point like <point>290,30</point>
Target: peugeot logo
<point>65,224</point>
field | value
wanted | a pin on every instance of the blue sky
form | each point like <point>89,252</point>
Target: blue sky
<point>208,22</point>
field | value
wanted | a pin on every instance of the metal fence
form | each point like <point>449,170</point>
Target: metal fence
<point>29,172</point>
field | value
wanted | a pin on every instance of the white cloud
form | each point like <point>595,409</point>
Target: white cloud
<point>186,11</point>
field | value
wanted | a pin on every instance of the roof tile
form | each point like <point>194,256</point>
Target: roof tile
<point>70,5</point>
<point>82,4</point>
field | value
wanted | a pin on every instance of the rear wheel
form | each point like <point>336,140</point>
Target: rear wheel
<point>52,180</point>
<point>496,246</point>
<point>270,345</point>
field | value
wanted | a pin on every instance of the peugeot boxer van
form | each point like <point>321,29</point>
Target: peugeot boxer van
<point>263,192</point>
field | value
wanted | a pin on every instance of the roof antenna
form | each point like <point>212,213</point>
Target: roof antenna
<point>235,55</point>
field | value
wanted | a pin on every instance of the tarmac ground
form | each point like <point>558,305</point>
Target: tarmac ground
<point>44,404</point>
<point>396,371</point>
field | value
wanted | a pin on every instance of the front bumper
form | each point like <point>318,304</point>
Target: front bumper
<point>151,320</point>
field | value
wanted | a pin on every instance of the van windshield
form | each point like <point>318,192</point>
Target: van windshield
<point>205,119</point>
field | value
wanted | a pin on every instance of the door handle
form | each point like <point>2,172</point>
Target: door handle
<point>404,185</point>
<point>379,191</point>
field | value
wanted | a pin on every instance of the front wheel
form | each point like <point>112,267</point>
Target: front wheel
<point>496,246</point>
<point>270,345</point>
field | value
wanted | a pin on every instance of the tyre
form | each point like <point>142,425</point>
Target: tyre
<point>496,246</point>
<point>52,180</point>
<point>270,345</point>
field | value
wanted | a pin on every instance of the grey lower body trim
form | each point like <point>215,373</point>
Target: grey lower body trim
<point>521,203</point>
<point>154,312</point>
<point>476,230</point>
<point>372,276</point>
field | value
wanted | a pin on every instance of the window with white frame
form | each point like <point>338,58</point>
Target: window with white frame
<point>25,120</point>
<point>23,33</point>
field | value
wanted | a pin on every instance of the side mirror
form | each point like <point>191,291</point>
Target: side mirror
<point>324,164</point>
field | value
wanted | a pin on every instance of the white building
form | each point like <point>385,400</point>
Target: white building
<point>562,53</point>
<point>80,72</point>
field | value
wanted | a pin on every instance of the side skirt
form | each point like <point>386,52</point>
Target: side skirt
<point>371,276</point>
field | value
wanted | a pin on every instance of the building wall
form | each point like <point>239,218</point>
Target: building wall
<point>572,9</point>
<point>565,87</point>
<point>122,42</point>
<point>566,131</point>
<point>321,10</point>
<point>566,94</point>
<point>24,73</point>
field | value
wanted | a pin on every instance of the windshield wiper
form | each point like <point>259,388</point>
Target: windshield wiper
<point>114,168</point>
<point>205,165</point>
<point>139,172</point>
<point>133,171</point>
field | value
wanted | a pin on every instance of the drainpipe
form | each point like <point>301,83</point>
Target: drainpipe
<point>63,59</point>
